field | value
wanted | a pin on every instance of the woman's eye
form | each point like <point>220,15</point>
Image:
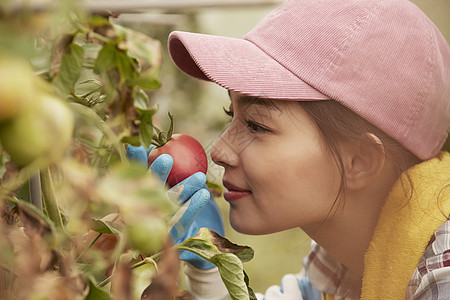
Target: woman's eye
<point>254,127</point>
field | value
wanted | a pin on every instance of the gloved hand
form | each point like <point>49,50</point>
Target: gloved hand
<point>293,286</point>
<point>198,208</point>
<point>139,154</point>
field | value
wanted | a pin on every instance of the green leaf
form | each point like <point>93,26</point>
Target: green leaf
<point>115,64</point>
<point>70,69</point>
<point>96,293</point>
<point>250,290</point>
<point>208,243</point>
<point>228,258</point>
<point>102,226</point>
<point>145,132</point>
<point>132,140</point>
<point>232,273</point>
<point>146,125</point>
<point>140,99</point>
<point>148,54</point>
<point>148,82</point>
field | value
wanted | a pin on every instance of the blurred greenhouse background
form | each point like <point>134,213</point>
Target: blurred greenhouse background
<point>197,105</point>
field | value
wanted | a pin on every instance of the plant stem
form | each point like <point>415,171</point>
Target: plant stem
<point>90,245</point>
<point>49,198</point>
<point>85,30</point>
<point>35,191</point>
<point>95,240</point>
<point>105,282</point>
<point>147,260</point>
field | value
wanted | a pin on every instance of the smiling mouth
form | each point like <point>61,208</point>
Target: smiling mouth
<point>234,193</point>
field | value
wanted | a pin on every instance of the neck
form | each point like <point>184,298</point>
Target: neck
<point>348,231</point>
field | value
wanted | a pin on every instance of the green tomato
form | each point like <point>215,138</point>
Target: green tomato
<point>43,130</point>
<point>147,235</point>
<point>16,86</point>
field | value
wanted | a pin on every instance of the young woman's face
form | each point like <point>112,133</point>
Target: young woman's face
<point>277,171</point>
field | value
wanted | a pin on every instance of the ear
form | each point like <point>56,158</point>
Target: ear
<point>363,161</point>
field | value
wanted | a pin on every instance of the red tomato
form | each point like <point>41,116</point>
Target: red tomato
<point>188,155</point>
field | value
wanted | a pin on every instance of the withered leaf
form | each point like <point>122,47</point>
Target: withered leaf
<point>33,220</point>
<point>164,284</point>
<point>227,256</point>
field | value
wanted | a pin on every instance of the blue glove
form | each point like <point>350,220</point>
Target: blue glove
<point>198,208</point>
<point>139,154</point>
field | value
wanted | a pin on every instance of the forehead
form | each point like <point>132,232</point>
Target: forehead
<point>280,110</point>
<point>243,101</point>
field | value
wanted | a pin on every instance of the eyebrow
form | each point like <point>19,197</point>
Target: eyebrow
<point>252,100</point>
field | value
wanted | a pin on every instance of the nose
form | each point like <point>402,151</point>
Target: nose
<point>223,152</point>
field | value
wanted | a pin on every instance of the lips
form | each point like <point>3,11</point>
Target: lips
<point>233,192</point>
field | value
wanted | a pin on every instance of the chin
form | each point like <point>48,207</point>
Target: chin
<point>243,226</point>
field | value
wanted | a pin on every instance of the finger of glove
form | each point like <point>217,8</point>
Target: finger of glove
<point>182,220</point>
<point>149,149</point>
<point>162,166</point>
<point>211,217</point>
<point>307,289</point>
<point>289,289</point>
<point>184,190</point>
<point>138,154</point>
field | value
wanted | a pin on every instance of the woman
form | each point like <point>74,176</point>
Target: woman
<point>339,111</point>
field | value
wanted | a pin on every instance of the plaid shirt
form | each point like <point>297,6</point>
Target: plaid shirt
<point>430,280</point>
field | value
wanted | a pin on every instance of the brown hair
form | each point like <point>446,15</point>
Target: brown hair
<point>337,123</point>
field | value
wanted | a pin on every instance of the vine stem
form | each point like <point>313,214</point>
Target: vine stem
<point>95,240</point>
<point>148,260</point>
<point>85,30</point>
<point>49,197</point>
<point>90,246</point>
<point>35,191</point>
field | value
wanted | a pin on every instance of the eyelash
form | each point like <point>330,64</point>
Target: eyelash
<point>251,126</point>
<point>228,112</point>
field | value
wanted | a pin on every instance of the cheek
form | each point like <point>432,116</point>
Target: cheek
<point>307,170</point>
<point>311,181</point>
<point>289,191</point>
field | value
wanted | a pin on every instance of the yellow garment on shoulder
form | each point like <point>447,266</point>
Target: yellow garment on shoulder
<point>405,227</point>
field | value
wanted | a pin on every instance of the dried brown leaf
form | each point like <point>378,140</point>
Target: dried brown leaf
<point>165,284</point>
<point>121,285</point>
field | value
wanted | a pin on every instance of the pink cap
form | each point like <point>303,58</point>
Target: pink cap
<point>384,59</point>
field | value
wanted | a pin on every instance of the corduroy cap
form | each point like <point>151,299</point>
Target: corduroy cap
<point>383,59</point>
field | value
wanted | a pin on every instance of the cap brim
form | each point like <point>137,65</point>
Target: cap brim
<point>237,65</point>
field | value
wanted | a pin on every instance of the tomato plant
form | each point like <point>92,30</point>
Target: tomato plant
<point>74,90</point>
